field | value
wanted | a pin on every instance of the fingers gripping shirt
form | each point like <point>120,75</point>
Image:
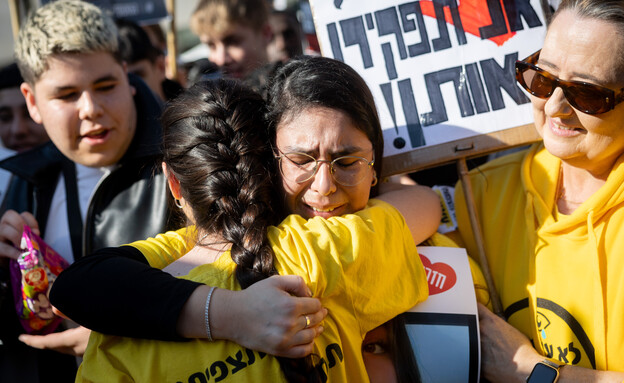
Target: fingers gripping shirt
<point>363,266</point>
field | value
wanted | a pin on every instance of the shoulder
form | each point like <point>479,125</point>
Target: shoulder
<point>165,248</point>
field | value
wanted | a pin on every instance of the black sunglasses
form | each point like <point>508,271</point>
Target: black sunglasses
<point>586,97</point>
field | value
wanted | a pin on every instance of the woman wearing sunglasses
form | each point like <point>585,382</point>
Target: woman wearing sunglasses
<point>552,215</point>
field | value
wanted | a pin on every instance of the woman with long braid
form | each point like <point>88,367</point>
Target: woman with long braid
<point>220,169</point>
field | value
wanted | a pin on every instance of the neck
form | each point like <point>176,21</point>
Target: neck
<point>206,250</point>
<point>576,186</point>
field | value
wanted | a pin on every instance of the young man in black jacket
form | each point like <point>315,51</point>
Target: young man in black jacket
<point>97,183</point>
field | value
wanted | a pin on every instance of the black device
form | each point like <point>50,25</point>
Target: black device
<point>544,372</point>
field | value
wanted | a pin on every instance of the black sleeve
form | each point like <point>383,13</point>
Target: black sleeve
<point>115,291</point>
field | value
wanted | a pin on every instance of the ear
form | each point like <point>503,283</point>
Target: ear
<point>124,66</point>
<point>173,182</point>
<point>267,33</point>
<point>29,95</point>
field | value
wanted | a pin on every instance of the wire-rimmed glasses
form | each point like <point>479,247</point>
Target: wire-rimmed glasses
<point>346,170</point>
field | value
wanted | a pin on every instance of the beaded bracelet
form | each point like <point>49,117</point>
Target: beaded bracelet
<point>207,313</point>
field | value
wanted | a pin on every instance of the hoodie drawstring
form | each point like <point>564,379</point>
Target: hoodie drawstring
<point>529,214</point>
<point>599,262</point>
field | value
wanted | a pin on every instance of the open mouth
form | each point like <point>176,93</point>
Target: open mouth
<point>566,128</point>
<point>563,130</point>
<point>322,210</point>
<point>96,134</point>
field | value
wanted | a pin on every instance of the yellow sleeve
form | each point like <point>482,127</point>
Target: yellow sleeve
<point>166,248</point>
<point>365,262</point>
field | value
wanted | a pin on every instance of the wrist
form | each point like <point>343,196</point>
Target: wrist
<point>191,319</point>
<point>222,317</point>
<point>525,359</point>
<point>207,313</point>
<point>544,371</point>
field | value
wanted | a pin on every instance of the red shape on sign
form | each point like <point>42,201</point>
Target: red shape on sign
<point>441,276</point>
<point>474,14</point>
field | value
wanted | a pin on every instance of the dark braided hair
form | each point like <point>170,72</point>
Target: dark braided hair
<point>217,145</point>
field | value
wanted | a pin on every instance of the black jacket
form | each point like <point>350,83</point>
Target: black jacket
<point>129,204</point>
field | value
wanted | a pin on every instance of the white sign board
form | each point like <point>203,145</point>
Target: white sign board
<point>439,70</point>
<point>444,329</point>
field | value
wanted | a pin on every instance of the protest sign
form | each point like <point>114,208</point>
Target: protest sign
<point>442,72</point>
<point>444,329</point>
<point>140,11</point>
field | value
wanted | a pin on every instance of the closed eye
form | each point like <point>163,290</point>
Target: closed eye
<point>347,162</point>
<point>105,87</point>
<point>299,159</point>
<point>67,96</point>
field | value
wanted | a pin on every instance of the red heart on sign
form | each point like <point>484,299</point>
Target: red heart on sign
<point>474,14</point>
<point>441,277</point>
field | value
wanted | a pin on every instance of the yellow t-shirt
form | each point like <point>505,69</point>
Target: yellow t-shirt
<point>364,267</point>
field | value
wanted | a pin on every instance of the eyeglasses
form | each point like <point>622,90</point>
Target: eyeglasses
<point>586,97</point>
<point>301,167</point>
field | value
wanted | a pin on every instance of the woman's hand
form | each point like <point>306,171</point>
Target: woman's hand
<point>269,316</point>
<point>506,354</point>
<point>73,341</point>
<point>274,315</point>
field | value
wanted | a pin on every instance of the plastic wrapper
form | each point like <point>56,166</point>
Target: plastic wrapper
<point>32,276</point>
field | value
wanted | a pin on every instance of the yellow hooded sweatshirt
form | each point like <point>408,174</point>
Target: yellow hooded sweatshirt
<point>560,277</point>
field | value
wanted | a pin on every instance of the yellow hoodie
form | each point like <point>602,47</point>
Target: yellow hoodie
<point>560,277</point>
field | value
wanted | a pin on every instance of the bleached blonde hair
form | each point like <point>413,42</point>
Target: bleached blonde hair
<point>64,26</point>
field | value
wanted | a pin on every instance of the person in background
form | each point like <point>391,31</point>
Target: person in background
<point>158,38</point>
<point>552,215</point>
<point>18,131</point>
<point>237,33</point>
<point>145,60</point>
<point>287,39</point>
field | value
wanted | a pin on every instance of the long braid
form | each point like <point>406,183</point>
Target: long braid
<point>217,145</point>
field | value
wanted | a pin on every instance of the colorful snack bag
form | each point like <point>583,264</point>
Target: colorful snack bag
<point>32,276</point>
